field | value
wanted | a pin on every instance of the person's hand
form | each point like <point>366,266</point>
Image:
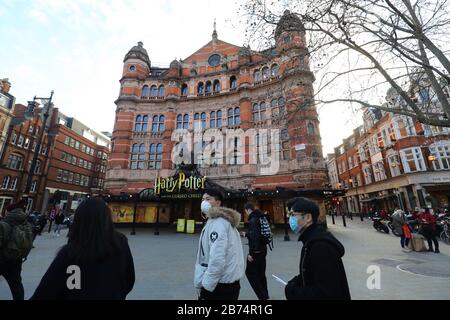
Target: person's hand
<point>250,258</point>
<point>242,233</point>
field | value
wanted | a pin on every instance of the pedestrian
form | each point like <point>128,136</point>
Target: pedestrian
<point>59,221</point>
<point>322,273</point>
<point>428,222</point>
<point>220,258</point>
<point>400,224</point>
<point>256,258</point>
<point>101,254</point>
<point>16,240</point>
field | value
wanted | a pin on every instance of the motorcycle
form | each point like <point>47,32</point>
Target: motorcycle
<point>445,233</point>
<point>380,224</point>
<point>394,231</point>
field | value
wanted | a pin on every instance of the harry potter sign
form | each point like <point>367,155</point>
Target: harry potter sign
<point>176,184</point>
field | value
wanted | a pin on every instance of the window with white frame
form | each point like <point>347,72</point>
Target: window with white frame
<point>412,160</point>
<point>378,171</point>
<point>20,141</point>
<point>5,182</point>
<point>13,138</point>
<point>350,162</point>
<point>33,186</point>
<point>368,175</point>
<point>29,205</point>
<point>394,165</point>
<point>441,152</point>
<point>13,183</point>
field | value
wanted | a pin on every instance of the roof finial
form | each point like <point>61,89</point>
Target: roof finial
<point>214,35</point>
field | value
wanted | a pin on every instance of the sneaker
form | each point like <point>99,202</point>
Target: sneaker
<point>437,251</point>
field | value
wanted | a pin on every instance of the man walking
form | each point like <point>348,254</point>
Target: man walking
<point>256,258</point>
<point>322,274</point>
<point>16,239</point>
<point>220,259</point>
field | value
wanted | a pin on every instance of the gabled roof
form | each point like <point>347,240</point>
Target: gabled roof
<point>219,46</point>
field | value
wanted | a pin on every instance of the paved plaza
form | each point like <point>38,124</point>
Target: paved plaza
<point>164,264</point>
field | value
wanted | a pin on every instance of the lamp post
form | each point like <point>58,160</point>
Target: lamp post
<point>47,105</point>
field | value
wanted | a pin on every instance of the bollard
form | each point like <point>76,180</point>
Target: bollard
<point>361,216</point>
<point>351,216</point>
<point>332,218</point>
<point>343,220</point>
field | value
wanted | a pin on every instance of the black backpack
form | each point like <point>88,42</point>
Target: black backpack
<point>266,232</point>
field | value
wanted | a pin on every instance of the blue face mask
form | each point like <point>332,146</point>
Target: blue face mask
<point>293,223</point>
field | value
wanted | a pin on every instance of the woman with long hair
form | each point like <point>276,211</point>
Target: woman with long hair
<point>96,263</point>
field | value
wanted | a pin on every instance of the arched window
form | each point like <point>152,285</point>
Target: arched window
<point>311,129</point>
<point>13,184</point>
<point>153,91</point>
<point>137,124</point>
<point>145,91</point>
<point>233,83</point>
<point>212,119</point>
<point>265,73</point>
<point>257,76</point>
<point>219,119</point>
<point>161,126</point>
<point>161,91</point>
<point>234,117</point>
<point>182,121</point>
<point>281,105</point>
<point>137,156</point>
<point>179,121</point>
<point>185,121</point>
<point>155,156</point>
<point>144,123</point>
<point>184,90</point>
<point>256,112</point>
<point>203,118</point>
<point>15,161</point>
<point>200,88</point>
<point>259,112</point>
<point>274,70</point>
<point>5,182</point>
<point>208,87</point>
<point>155,123</point>
<point>216,85</point>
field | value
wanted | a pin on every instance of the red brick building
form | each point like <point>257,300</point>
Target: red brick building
<point>16,161</point>
<point>72,159</point>
<point>221,86</point>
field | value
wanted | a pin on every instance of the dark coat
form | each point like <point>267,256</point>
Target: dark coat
<point>255,241</point>
<point>322,274</point>
<point>111,279</point>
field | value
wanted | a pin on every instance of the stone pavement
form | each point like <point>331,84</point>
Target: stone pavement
<point>164,265</point>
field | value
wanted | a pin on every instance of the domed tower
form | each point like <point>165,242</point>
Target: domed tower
<point>173,75</point>
<point>136,62</point>
<point>290,32</point>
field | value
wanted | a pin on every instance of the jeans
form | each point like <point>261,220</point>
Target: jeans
<point>58,228</point>
<point>256,275</point>
<point>11,272</point>
<point>404,241</point>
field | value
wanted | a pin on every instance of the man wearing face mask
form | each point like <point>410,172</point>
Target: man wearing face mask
<point>322,274</point>
<point>220,258</point>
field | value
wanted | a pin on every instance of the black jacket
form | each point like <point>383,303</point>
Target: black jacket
<point>322,274</point>
<point>255,241</point>
<point>111,279</point>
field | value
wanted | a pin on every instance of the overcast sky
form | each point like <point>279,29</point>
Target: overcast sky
<point>76,48</point>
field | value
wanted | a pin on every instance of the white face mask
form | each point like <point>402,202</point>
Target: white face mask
<point>205,206</point>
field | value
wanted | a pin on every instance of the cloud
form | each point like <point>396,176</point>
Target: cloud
<point>38,16</point>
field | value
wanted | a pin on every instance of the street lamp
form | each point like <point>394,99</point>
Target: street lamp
<point>47,102</point>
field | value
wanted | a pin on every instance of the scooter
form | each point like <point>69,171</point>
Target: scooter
<point>379,224</point>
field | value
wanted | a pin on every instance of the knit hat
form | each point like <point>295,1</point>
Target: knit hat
<point>18,205</point>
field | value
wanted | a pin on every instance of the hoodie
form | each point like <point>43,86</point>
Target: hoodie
<point>220,258</point>
<point>321,272</point>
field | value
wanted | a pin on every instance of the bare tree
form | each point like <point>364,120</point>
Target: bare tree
<point>372,46</point>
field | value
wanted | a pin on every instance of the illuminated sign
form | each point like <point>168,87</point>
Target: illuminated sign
<point>170,185</point>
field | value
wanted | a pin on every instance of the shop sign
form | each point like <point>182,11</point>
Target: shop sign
<point>175,184</point>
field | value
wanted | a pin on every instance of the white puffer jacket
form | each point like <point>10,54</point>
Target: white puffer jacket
<point>220,258</point>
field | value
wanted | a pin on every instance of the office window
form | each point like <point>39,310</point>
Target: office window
<point>15,161</point>
<point>155,156</point>
<point>442,156</point>
<point>5,182</point>
<point>137,156</point>
<point>412,160</point>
